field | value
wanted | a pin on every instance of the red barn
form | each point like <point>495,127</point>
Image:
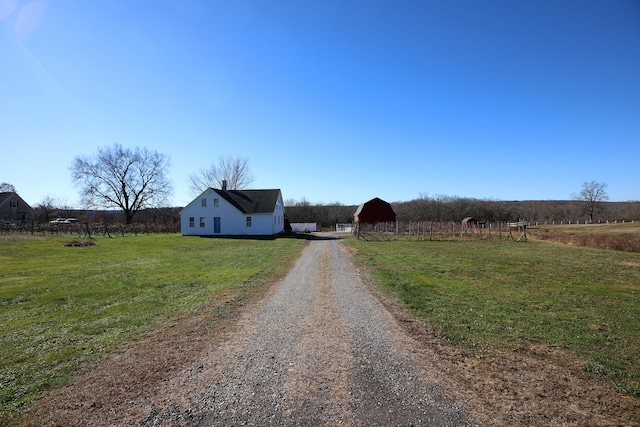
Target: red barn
<point>374,211</point>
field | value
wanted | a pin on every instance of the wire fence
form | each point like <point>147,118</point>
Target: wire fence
<point>86,229</point>
<point>431,230</point>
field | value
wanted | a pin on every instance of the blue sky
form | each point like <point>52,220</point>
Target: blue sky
<point>332,101</point>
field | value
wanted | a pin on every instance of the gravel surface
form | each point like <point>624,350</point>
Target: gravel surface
<point>319,351</point>
<point>318,348</point>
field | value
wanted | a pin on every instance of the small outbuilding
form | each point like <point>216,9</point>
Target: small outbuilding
<point>304,227</point>
<point>469,222</point>
<point>374,211</point>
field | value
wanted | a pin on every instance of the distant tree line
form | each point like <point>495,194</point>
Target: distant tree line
<point>590,204</point>
<point>424,208</point>
<point>541,211</point>
<point>134,181</point>
<point>448,208</point>
<point>51,219</point>
<point>47,212</point>
<point>325,215</point>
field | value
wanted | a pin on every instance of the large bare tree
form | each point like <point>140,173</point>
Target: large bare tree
<point>118,177</point>
<point>590,197</point>
<point>232,170</point>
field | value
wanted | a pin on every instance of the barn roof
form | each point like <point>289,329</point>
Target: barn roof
<point>374,201</point>
<point>374,210</point>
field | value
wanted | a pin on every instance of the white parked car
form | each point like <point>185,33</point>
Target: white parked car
<point>63,221</point>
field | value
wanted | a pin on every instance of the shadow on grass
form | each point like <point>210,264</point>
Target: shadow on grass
<point>300,236</point>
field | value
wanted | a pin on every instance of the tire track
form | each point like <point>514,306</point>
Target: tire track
<point>321,350</point>
<point>319,379</point>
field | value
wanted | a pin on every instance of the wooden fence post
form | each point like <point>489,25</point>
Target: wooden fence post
<point>88,231</point>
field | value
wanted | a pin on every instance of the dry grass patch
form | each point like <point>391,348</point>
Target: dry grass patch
<point>617,237</point>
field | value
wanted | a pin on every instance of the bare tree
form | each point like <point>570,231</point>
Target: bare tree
<point>324,215</point>
<point>590,198</point>
<point>123,178</point>
<point>5,187</point>
<point>234,170</point>
<point>46,209</point>
<point>420,208</point>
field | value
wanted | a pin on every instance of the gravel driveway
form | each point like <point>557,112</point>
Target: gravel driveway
<point>320,350</point>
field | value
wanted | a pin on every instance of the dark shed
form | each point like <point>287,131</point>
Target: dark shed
<point>374,211</point>
<point>469,222</point>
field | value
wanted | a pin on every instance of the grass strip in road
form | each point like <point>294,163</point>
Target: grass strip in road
<point>62,307</point>
<point>480,294</point>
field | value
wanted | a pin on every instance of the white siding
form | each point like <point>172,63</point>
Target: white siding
<point>277,218</point>
<point>232,221</point>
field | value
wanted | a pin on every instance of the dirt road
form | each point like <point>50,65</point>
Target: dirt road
<point>320,349</point>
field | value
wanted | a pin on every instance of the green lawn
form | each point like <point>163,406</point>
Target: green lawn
<point>61,307</point>
<point>480,294</point>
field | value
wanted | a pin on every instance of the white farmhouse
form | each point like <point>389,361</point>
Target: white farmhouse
<point>233,213</point>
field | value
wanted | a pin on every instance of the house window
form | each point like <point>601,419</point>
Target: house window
<point>192,221</point>
<point>204,203</point>
<point>13,203</point>
<point>201,221</point>
<point>216,203</point>
<point>248,221</point>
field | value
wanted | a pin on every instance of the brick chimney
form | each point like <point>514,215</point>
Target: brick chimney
<point>224,185</point>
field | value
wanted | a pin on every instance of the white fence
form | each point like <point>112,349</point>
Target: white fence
<point>344,228</point>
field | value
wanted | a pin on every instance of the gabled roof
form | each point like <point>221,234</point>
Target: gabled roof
<point>251,201</point>
<point>4,196</point>
<point>19,212</point>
